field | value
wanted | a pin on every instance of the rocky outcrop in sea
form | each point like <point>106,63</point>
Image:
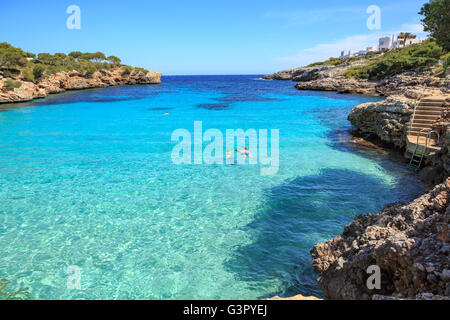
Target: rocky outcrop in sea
<point>330,78</point>
<point>387,120</point>
<point>408,242</point>
<point>74,80</point>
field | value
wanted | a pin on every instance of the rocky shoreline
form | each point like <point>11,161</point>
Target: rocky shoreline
<point>410,86</point>
<point>408,242</point>
<point>74,80</point>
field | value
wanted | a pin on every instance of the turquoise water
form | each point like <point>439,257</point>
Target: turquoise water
<point>86,179</point>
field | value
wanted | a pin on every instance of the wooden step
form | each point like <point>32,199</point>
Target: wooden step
<point>417,119</point>
<point>431,104</point>
<point>421,125</point>
<point>433,99</point>
<point>418,123</point>
<point>429,108</point>
<point>432,143</point>
<point>428,112</point>
<point>415,131</point>
<point>426,117</point>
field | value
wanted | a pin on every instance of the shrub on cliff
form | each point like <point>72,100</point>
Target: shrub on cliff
<point>28,75</point>
<point>329,62</point>
<point>14,61</point>
<point>11,57</point>
<point>11,85</point>
<point>90,70</point>
<point>114,60</point>
<point>446,60</point>
<point>38,71</point>
<point>416,57</point>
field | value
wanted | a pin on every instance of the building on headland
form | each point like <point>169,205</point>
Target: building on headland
<point>384,44</point>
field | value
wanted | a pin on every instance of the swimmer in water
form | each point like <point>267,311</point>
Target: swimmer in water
<point>228,154</point>
<point>166,114</point>
<point>245,153</point>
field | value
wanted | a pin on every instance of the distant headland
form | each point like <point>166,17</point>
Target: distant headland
<point>25,76</point>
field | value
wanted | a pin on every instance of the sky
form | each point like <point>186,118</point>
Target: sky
<point>206,36</point>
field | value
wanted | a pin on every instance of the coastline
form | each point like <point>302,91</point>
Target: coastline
<point>74,80</point>
<point>409,242</point>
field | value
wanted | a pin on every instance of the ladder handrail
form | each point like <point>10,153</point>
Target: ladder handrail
<point>429,137</point>
<point>425,148</point>
<point>418,135</point>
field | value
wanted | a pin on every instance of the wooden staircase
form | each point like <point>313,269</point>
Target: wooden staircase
<point>421,142</point>
<point>427,111</point>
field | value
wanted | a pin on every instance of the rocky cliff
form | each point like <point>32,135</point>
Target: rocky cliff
<point>74,80</point>
<point>387,120</point>
<point>408,242</point>
<point>330,78</point>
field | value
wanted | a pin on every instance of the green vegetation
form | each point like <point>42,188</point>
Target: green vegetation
<point>437,21</point>
<point>333,62</point>
<point>18,64</point>
<point>329,62</point>
<point>446,60</point>
<point>38,71</point>
<point>416,57</point>
<point>11,84</point>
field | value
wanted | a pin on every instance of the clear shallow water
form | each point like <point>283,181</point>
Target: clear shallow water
<point>86,179</point>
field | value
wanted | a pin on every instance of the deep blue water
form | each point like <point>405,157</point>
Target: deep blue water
<point>87,180</point>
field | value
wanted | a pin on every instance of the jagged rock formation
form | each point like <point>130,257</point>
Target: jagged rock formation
<point>330,78</point>
<point>409,242</point>
<point>74,80</point>
<point>387,120</point>
<point>340,85</point>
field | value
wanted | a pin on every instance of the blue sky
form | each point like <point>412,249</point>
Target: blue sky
<point>206,37</point>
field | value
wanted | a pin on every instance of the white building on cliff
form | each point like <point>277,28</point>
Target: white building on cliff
<point>384,43</point>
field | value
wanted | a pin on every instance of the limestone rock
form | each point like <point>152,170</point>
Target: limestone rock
<point>340,84</point>
<point>74,80</point>
<point>409,242</point>
<point>388,119</point>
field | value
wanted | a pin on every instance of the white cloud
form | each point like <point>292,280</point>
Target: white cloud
<point>324,51</point>
<point>417,29</point>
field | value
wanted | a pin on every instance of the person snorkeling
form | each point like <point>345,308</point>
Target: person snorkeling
<point>245,152</point>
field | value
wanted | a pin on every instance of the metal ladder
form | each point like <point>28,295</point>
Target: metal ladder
<point>418,155</point>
